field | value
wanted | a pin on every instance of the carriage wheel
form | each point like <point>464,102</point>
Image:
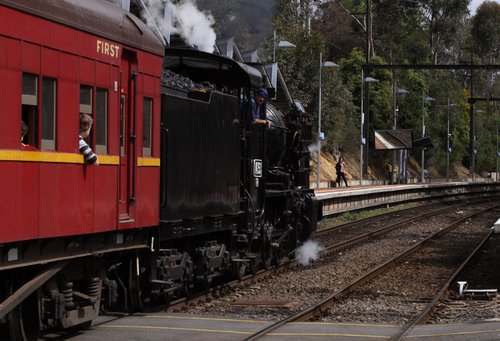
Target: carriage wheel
<point>24,320</point>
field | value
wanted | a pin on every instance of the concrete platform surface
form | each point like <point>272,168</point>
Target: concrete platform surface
<point>163,326</point>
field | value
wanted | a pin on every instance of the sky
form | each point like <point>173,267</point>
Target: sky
<point>475,4</point>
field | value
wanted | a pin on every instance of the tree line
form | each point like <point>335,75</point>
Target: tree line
<point>385,32</point>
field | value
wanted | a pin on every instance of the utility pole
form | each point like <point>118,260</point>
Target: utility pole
<point>366,99</point>
<point>472,123</point>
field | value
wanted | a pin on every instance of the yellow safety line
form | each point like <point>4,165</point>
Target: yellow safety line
<point>454,333</point>
<point>349,324</point>
<point>242,332</point>
<point>203,318</point>
<point>364,336</point>
<point>176,328</point>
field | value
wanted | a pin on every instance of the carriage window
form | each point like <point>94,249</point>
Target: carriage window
<point>147,122</point>
<point>86,107</point>
<point>85,99</point>
<point>101,120</point>
<point>49,92</point>
<point>30,108</point>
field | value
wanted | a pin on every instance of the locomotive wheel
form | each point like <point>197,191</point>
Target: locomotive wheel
<point>241,269</point>
<point>24,320</point>
<point>278,257</point>
<point>185,290</point>
<point>205,283</point>
<point>266,263</point>
<point>267,254</point>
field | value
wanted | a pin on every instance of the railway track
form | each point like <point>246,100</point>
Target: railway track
<point>428,303</point>
<point>252,284</point>
<point>336,240</point>
<point>351,233</point>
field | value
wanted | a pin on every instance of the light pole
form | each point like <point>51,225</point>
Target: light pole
<point>362,139</point>
<point>397,91</point>
<point>498,153</point>
<point>280,44</point>
<point>428,99</point>
<point>474,150</point>
<point>448,135</point>
<point>320,134</point>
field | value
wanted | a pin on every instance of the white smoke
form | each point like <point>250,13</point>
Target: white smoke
<point>185,19</point>
<point>308,252</point>
<point>313,148</point>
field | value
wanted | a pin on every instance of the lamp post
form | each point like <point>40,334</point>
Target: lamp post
<point>320,135</point>
<point>280,44</point>
<point>362,140</point>
<point>448,135</point>
<point>397,91</point>
<point>474,150</point>
<point>428,99</point>
<point>498,153</point>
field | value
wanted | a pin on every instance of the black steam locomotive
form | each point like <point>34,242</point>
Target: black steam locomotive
<point>234,196</point>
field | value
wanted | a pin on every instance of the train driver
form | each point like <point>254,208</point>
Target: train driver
<point>256,105</point>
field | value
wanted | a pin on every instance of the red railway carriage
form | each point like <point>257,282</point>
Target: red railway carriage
<point>59,59</point>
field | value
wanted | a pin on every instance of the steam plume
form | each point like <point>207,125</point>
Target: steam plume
<point>308,252</point>
<point>185,19</point>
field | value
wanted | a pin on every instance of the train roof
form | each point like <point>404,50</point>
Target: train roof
<point>96,17</point>
<point>212,65</point>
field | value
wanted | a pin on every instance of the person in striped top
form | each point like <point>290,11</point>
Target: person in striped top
<point>86,122</point>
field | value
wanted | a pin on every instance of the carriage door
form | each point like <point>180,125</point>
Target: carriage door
<point>127,132</point>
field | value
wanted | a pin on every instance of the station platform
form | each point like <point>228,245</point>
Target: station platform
<point>343,199</point>
<point>169,326</point>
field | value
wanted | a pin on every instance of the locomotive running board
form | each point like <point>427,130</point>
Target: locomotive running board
<point>27,289</point>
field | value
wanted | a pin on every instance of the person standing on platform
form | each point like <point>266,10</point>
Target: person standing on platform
<point>339,167</point>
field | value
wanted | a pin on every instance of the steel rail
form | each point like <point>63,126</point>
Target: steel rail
<point>383,230</point>
<point>183,303</point>
<point>328,302</point>
<point>430,307</point>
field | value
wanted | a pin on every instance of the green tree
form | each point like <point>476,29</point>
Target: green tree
<point>443,19</point>
<point>486,31</point>
<point>301,68</point>
<point>398,32</point>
